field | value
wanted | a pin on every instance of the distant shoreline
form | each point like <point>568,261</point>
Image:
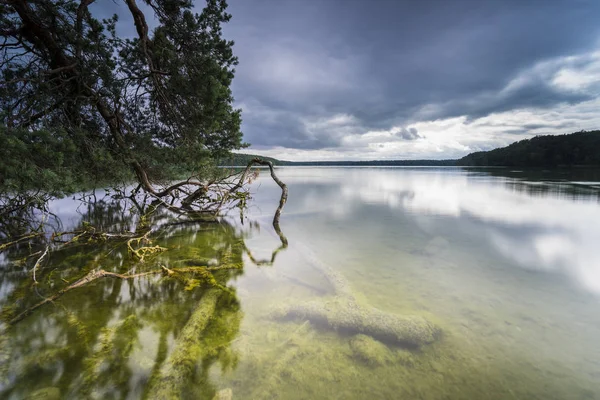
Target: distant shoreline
<point>575,150</point>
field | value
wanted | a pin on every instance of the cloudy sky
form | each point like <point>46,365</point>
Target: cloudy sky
<point>409,79</point>
<point>381,79</point>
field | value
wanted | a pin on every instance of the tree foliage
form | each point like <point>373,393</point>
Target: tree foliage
<point>80,102</point>
<point>576,149</point>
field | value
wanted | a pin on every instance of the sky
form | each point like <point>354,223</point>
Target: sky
<point>400,79</point>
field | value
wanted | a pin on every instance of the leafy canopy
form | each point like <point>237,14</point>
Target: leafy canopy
<point>80,102</point>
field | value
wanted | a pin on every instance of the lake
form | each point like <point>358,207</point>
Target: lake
<point>397,283</point>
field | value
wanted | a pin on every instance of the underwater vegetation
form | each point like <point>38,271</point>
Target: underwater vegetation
<point>148,315</point>
<point>101,300</point>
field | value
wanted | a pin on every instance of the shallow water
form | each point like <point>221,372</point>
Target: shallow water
<point>504,263</point>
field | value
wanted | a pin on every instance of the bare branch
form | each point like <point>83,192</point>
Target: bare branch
<point>39,261</point>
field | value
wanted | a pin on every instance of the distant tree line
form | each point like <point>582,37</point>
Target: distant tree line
<point>374,163</point>
<point>237,159</point>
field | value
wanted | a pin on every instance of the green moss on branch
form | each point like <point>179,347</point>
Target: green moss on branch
<point>181,363</point>
<point>347,316</point>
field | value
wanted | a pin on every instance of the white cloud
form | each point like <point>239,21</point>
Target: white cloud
<point>448,138</point>
<point>578,75</point>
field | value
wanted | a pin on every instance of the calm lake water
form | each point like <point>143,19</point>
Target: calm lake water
<point>504,264</point>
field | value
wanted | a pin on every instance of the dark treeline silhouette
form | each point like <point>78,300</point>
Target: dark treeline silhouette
<point>575,149</point>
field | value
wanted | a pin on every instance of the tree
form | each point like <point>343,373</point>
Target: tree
<point>159,104</point>
<point>80,103</point>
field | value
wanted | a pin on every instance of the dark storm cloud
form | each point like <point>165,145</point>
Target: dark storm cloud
<point>567,126</point>
<point>564,125</point>
<point>390,63</point>
<point>408,134</point>
<point>534,94</point>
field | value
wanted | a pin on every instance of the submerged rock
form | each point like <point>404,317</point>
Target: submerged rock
<point>369,350</point>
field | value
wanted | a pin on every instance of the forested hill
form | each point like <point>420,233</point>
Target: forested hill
<point>575,149</point>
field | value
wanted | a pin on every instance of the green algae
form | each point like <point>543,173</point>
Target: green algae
<point>224,394</point>
<point>94,346</point>
<point>82,331</point>
<point>205,339</point>
<point>49,393</point>
<point>324,365</point>
<point>180,364</point>
<point>263,359</point>
<point>45,360</point>
<point>4,358</point>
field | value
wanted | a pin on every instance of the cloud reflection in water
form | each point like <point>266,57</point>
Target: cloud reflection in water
<point>539,225</point>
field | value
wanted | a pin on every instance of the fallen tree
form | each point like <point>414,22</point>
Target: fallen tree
<point>343,313</point>
<point>182,361</point>
<point>137,249</point>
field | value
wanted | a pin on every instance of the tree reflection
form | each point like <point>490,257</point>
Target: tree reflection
<point>568,183</point>
<point>123,338</point>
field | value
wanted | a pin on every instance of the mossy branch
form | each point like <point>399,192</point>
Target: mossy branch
<point>26,238</point>
<point>188,350</point>
<point>344,313</point>
<point>141,252</point>
<point>88,278</point>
